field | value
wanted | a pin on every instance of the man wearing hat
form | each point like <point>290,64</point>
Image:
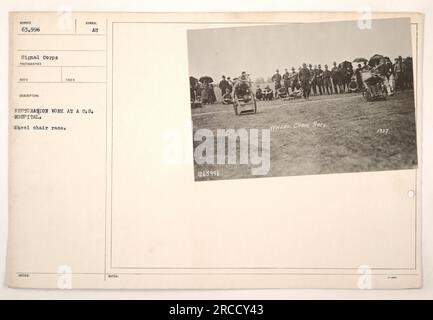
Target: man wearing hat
<point>230,82</point>
<point>304,78</point>
<point>327,84</point>
<point>267,93</point>
<point>318,73</point>
<point>223,85</point>
<point>276,79</point>
<point>259,93</point>
<point>286,80</point>
<point>241,86</point>
<point>358,76</point>
<point>312,81</point>
<point>398,68</point>
<point>335,78</point>
<point>294,83</point>
<point>383,69</point>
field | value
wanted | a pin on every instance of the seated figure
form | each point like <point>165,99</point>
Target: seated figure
<point>282,92</point>
<point>297,93</point>
<point>268,93</point>
<point>259,93</point>
<point>372,84</point>
<point>242,88</point>
<point>227,97</point>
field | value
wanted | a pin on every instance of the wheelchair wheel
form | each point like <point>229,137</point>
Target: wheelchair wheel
<point>366,95</point>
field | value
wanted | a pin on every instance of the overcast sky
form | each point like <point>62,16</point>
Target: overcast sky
<point>260,50</point>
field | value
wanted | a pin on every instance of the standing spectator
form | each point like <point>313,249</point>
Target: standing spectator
<point>286,80</point>
<point>223,85</point>
<point>392,82</point>
<point>342,77</point>
<point>390,75</point>
<point>358,77</point>
<point>294,83</point>
<point>276,79</point>
<point>348,75</point>
<point>304,78</point>
<point>212,97</point>
<point>410,71</point>
<point>389,66</point>
<point>406,73</point>
<point>204,93</point>
<point>398,73</point>
<point>383,72</point>
<point>230,86</point>
<point>318,73</point>
<point>193,89</point>
<point>312,80</point>
<point>335,77</point>
<point>327,84</point>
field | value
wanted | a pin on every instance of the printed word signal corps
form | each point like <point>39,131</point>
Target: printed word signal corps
<point>39,57</point>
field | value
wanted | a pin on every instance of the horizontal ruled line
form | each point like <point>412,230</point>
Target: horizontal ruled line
<point>59,34</point>
<point>36,66</point>
<point>64,50</point>
<point>59,82</point>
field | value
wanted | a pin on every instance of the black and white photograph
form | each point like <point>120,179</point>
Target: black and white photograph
<point>302,99</point>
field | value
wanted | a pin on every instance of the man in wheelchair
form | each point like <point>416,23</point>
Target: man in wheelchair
<point>242,88</point>
<point>374,84</point>
<point>377,85</point>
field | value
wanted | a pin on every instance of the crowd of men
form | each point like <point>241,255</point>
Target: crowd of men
<point>340,78</point>
<point>315,80</point>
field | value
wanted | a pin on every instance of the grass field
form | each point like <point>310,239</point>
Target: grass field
<point>354,135</point>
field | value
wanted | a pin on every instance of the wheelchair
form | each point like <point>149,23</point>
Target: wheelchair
<point>244,100</point>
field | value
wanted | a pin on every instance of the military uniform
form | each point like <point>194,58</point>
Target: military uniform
<point>304,77</point>
<point>223,85</point>
<point>294,83</point>
<point>327,84</point>
<point>312,80</point>
<point>398,68</point>
<point>358,77</point>
<point>259,94</point>
<point>267,94</point>
<point>276,78</point>
<point>286,81</point>
<point>336,80</point>
<point>318,79</point>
